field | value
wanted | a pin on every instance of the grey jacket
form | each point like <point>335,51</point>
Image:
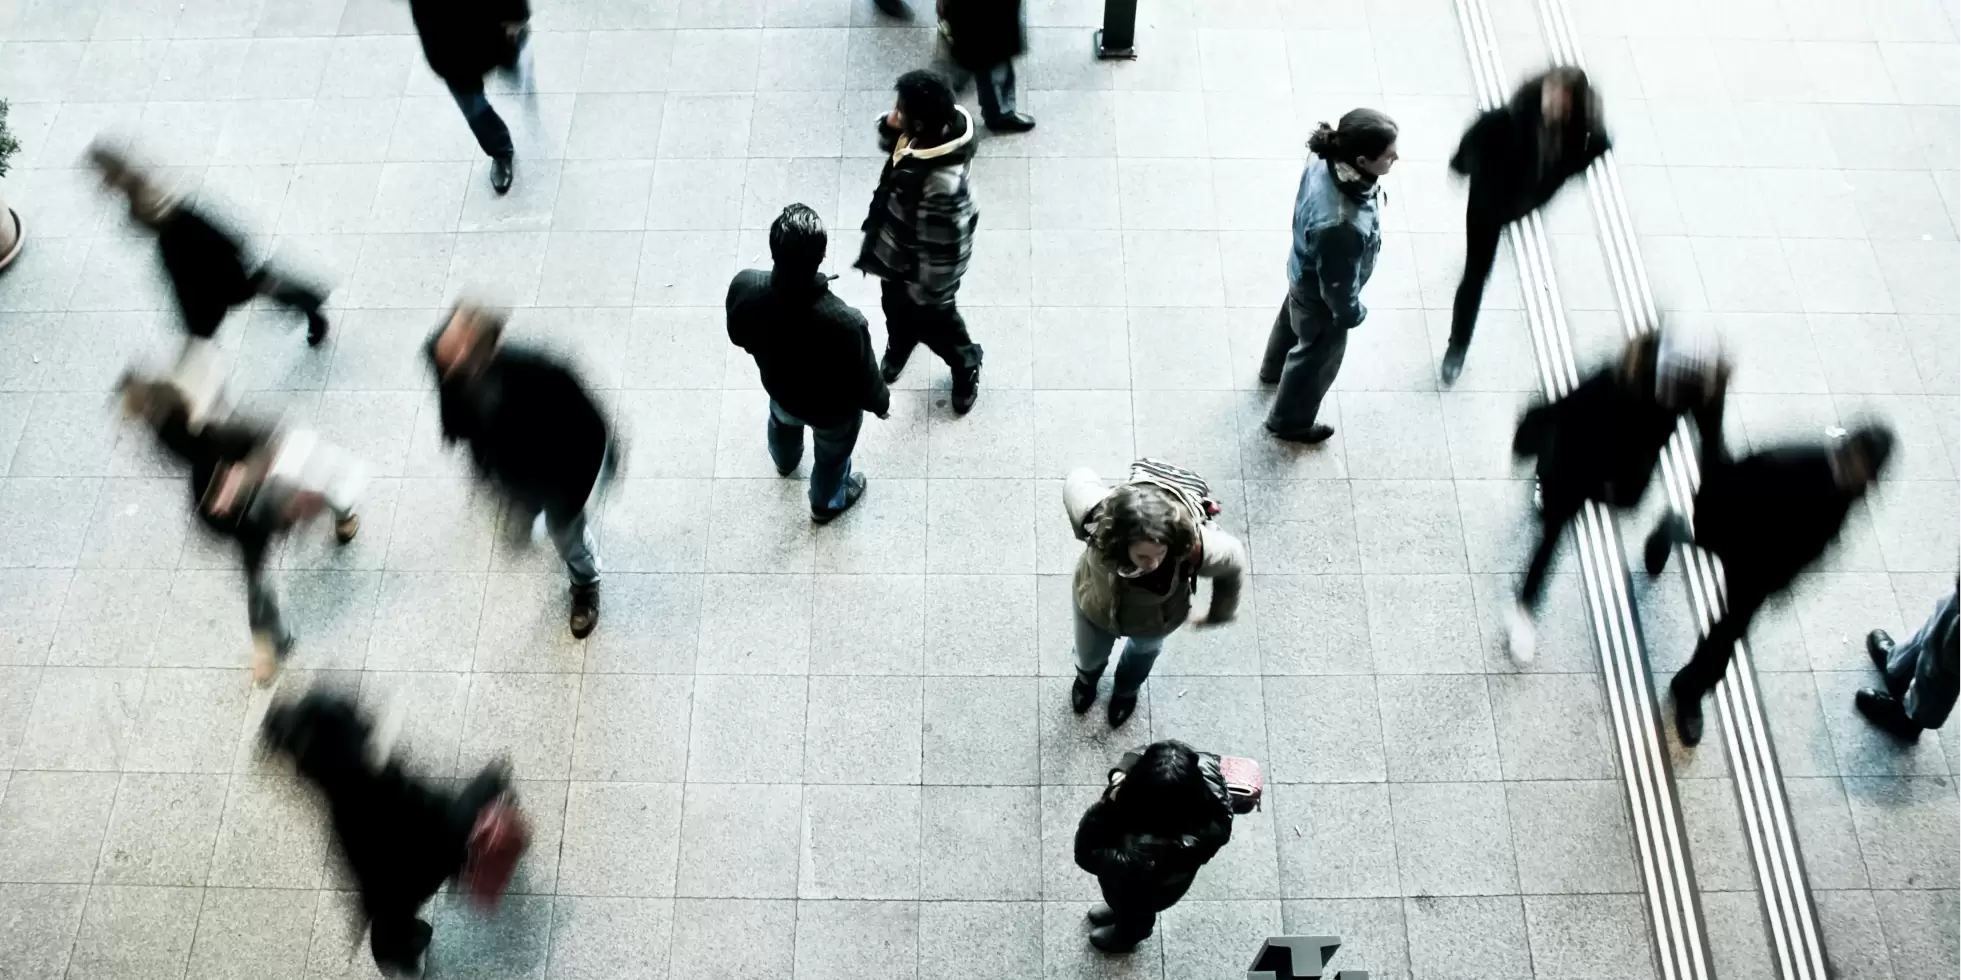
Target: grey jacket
<point>1336,238</point>
<point>1110,602</point>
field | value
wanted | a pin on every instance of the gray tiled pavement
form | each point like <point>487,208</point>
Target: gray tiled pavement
<point>845,752</point>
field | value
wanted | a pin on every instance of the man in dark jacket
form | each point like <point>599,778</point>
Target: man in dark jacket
<point>1923,675</point>
<point>205,262</point>
<point>919,232</point>
<point>1517,157</point>
<point>533,431</point>
<point>985,36</point>
<point>1767,516</point>
<point>1602,440</point>
<point>464,40</point>
<point>815,354</point>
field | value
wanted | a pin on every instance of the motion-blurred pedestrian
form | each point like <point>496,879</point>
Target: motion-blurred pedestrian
<point>1602,440</point>
<point>985,37</point>
<point>1158,821</point>
<point>204,260</point>
<point>1767,516</point>
<point>816,357</point>
<point>464,40</point>
<point>534,432</point>
<point>1923,675</point>
<point>1336,238</point>
<point>919,232</point>
<point>1517,157</point>
<point>1147,543</point>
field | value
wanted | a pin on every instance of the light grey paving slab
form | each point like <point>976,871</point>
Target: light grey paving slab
<point>980,843</point>
<point>247,932</point>
<point>610,937</point>
<point>136,931</point>
<point>1438,728</point>
<point>632,727</point>
<point>271,835</point>
<point>51,825</point>
<point>1453,839</point>
<point>1482,935</point>
<point>981,731</point>
<point>877,940</point>
<point>737,938</point>
<point>1333,841</point>
<point>1588,936</point>
<point>44,921</point>
<point>747,729</point>
<point>1920,936</point>
<point>861,842</point>
<point>753,857</point>
<point>620,839</point>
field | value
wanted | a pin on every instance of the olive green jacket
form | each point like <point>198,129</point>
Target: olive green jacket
<point>1112,603</point>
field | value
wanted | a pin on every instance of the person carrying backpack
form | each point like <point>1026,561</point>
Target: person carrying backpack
<point>1147,543</point>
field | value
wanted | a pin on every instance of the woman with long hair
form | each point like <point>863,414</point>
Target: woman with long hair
<point>1156,824</point>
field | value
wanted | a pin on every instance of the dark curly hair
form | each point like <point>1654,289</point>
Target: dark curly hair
<point>926,101</point>
<point>1140,512</point>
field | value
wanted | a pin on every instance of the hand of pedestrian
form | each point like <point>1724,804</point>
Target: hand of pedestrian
<point>894,120</point>
<point>1200,621</point>
<point>513,28</point>
<point>884,415</point>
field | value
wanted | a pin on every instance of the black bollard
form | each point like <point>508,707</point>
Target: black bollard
<point>1117,38</point>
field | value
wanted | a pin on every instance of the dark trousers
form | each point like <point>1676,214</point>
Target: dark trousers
<point>1744,595</point>
<point>491,133</point>
<point>996,88</point>
<point>396,935</point>
<point>909,323</point>
<point>1555,512</point>
<point>1483,226</point>
<point>1303,353</point>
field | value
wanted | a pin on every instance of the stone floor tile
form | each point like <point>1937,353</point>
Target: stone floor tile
<point>1919,932</point>
<point>1438,728</point>
<point>1901,824</point>
<point>870,940</point>
<point>980,843</point>
<point>1338,739</point>
<point>272,835</point>
<point>753,857</point>
<point>1209,939</point>
<point>1453,839</point>
<point>1482,935</point>
<point>1334,841</point>
<point>632,727</point>
<point>609,937</point>
<point>981,731</point>
<point>46,919</point>
<point>860,842</point>
<point>1589,936</point>
<point>619,839</point>
<point>1572,837</point>
<point>135,931</point>
<point>743,938</point>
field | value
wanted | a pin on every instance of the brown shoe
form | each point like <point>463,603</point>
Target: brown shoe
<point>347,527</point>
<point>585,611</point>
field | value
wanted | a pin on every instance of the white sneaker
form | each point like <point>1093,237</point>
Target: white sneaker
<point>1521,640</point>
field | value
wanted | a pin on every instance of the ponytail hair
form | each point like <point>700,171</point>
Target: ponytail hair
<point>1362,133</point>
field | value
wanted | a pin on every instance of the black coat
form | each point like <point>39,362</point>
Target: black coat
<point>207,270</point>
<point>1602,440</point>
<point>984,33</point>
<point>814,350</point>
<point>1148,872</point>
<point>1770,514</point>
<point>1504,154</point>
<point>210,449</point>
<point>531,426</point>
<point>465,39</point>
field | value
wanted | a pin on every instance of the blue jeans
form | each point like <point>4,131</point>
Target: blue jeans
<point>830,465</point>
<point>1918,665</point>
<point>492,135</point>
<point>1093,644</point>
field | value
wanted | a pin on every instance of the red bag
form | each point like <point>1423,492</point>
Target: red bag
<point>1242,782</point>
<point>499,838</point>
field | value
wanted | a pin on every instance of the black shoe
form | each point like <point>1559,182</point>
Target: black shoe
<point>892,364</point>
<point>1886,714</point>
<point>1101,915</point>
<point>854,487</point>
<point>501,174</point>
<point>1082,694</point>
<point>1312,435</point>
<point>894,8</point>
<point>1688,713</point>
<point>1269,379</point>
<point>1879,646</point>
<point>966,388</point>
<point>316,328</point>
<point>1109,940</point>
<point>1121,706</point>
<point>1655,554</point>
<point>585,611</point>
<point>1453,363</point>
<point>1012,122</point>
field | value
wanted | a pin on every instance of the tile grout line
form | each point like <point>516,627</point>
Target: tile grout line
<point>1784,885</point>
<point>1673,904</point>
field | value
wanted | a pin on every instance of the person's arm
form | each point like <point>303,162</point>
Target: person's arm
<point>1709,423</point>
<point>1338,261</point>
<point>878,396</point>
<point>1081,492</point>
<point>1099,844</point>
<point>1474,150</point>
<point>945,227</point>
<point>510,13</point>
<point>1224,562</point>
<point>888,134</point>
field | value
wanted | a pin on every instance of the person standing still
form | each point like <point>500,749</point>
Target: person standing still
<point>464,40</point>
<point>1923,675</point>
<point>985,37</point>
<point>815,354</point>
<point>1517,157</point>
<point>919,232</point>
<point>1158,821</point>
<point>1336,238</point>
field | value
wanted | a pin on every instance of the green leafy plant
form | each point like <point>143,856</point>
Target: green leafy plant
<point>7,142</point>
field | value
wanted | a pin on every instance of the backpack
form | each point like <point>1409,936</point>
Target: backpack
<point>1187,486</point>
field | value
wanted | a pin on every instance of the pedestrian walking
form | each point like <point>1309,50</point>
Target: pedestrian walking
<point>815,354</point>
<point>464,40</point>
<point>1922,675</point>
<point>985,37</point>
<point>204,260</point>
<point>1767,516</point>
<point>919,232</point>
<point>1336,238</point>
<point>252,484</point>
<point>1148,542</point>
<point>533,432</point>
<point>1602,440</point>
<point>1158,821</point>
<point>1517,157</point>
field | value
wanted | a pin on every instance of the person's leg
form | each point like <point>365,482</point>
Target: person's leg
<point>491,133</point>
<point>785,439</point>
<point>996,87</point>
<point>1093,646</point>
<point>1931,687</point>
<point>271,639</point>
<point>397,938</point>
<point>1281,339</point>
<point>944,331</point>
<point>830,467</point>
<point>1128,926</point>
<point>1139,653</point>
<point>1521,637</point>
<point>294,295</point>
<point>1310,368</point>
<point>1482,230</point>
<point>901,328</point>
<point>573,539</point>
<point>1712,657</point>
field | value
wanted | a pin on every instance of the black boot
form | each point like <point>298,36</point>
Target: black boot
<point>1670,532</point>
<point>1688,712</point>
<point>585,611</point>
<point>1879,646</point>
<point>1110,939</point>
<point>893,363</point>
<point>1082,694</point>
<point>1887,714</point>
<point>1121,706</point>
<point>1101,915</point>
<point>1453,363</point>
<point>966,388</point>
<point>501,173</point>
